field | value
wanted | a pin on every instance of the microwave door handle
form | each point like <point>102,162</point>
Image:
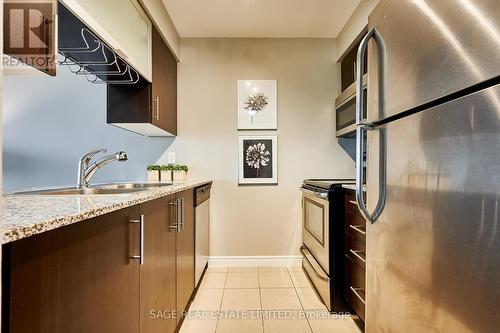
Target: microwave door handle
<point>362,126</point>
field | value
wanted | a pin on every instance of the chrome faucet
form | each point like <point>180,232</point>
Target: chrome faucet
<point>85,172</point>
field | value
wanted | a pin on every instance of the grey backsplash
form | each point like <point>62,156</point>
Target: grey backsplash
<point>49,122</point>
<point>349,146</point>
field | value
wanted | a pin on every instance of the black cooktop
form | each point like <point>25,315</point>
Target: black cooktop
<point>327,184</point>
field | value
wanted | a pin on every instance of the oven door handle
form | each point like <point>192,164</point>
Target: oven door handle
<point>303,250</point>
<point>317,194</point>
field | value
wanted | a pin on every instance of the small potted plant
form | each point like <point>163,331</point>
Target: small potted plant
<point>153,173</point>
<point>166,173</point>
<point>180,172</point>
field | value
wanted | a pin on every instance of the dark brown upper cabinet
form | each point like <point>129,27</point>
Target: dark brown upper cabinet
<point>148,108</point>
<point>29,35</point>
<point>164,87</point>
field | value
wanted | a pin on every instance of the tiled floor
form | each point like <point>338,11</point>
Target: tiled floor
<point>261,300</point>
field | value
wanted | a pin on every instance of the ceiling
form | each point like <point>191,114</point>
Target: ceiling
<point>260,18</point>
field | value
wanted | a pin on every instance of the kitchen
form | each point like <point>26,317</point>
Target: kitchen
<point>373,206</point>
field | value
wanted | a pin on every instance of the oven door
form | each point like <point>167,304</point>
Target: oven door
<point>315,224</point>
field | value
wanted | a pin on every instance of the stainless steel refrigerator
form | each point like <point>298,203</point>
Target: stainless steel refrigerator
<point>433,166</point>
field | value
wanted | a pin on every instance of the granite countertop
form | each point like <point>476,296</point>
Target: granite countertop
<point>26,215</point>
<point>352,187</point>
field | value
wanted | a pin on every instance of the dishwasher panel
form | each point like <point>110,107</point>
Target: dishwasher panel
<point>202,229</point>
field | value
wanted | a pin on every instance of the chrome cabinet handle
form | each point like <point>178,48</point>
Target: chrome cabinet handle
<point>181,208</point>
<point>175,226</point>
<point>357,255</point>
<point>140,257</point>
<point>363,125</point>
<point>355,291</point>
<point>156,115</point>
<point>179,214</point>
<point>158,108</point>
<point>357,228</point>
<point>179,221</point>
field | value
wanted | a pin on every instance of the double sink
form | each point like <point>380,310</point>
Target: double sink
<point>112,188</point>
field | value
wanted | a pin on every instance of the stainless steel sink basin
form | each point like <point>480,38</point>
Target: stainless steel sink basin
<point>112,188</point>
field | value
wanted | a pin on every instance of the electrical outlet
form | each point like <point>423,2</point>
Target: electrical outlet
<point>171,158</point>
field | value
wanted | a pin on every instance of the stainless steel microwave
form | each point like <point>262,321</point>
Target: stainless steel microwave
<point>345,110</point>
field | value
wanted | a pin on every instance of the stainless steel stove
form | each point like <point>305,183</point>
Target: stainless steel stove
<point>323,238</point>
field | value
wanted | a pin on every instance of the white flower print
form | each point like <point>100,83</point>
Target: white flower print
<point>257,156</point>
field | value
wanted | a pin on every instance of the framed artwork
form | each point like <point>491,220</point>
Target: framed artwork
<point>257,105</point>
<point>258,162</point>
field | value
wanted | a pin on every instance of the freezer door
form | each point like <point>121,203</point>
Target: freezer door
<point>432,48</point>
<point>433,256</point>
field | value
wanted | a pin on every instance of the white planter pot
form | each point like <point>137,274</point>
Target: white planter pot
<point>165,176</point>
<point>179,176</point>
<point>154,176</point>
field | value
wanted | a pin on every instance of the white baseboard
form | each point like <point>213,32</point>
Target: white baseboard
<point>249,261</point>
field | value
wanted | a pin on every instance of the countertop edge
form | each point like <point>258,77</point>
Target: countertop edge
<point>352,187</point>
<point>14,233</point>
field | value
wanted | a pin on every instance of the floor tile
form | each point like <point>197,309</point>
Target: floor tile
<point>240,326</point>
<point>323,322</point>
<point>275,280</point>
<point>251,269</point>
<point>242,280</point>
<point>241,299</point>
<point>272,269</point>
<point>198,326</point>
<point>207,299</point>
<point>213,281</point>
<point>300,279</point>
<point>279,299</point>
<point>286,326</point>
<point>310,299</point>
<point>217,269</point>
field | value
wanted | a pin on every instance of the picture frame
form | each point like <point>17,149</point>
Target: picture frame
<point>258,159</point>
<point>257,105</point>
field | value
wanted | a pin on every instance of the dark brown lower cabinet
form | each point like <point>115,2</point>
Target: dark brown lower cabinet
<point>88,276</point>
<point>158,276</point>
<point>355,255</point>
<point>185,250</point>
<point>77,278</point>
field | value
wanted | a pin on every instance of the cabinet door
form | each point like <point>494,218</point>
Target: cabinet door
<point>158,302</point>
<point>164,87</point>
<point>76,279</point>
<point>185,250</point>
<point>148,108</point>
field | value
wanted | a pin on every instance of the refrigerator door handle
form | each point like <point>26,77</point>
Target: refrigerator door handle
<point>362,125</point>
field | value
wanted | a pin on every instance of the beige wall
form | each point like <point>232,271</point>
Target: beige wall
<point>354,26</point>
<point>258,220</point>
